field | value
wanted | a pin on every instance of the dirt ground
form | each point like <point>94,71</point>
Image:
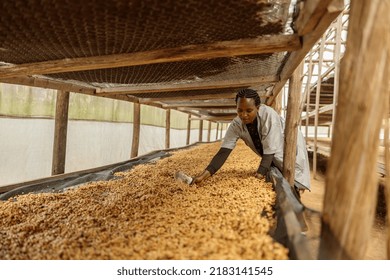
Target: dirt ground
<point>314,200</point>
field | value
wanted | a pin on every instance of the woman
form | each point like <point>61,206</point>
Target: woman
<point>262,130</point>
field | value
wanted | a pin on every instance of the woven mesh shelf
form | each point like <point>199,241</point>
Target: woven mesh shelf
<point>40,31</point>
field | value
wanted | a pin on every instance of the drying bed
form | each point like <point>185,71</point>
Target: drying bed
<point>143,213</point>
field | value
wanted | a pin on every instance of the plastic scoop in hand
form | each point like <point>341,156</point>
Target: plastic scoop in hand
<point>182,177</point>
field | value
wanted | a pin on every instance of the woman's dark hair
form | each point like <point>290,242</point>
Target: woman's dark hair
<point>249,93</point>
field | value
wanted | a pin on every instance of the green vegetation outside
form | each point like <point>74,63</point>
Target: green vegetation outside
<point>24,101</point>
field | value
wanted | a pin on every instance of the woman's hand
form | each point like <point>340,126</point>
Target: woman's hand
<point>259,176</point>
<point>197,179</point>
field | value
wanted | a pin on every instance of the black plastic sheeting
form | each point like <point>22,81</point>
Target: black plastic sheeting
<point>53,184</point>
<point>290,219</point>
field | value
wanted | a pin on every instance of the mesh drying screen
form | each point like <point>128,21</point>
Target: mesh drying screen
<point>43,30</point>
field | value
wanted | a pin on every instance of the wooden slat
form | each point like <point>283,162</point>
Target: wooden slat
<point>122,97</point>
<point>322,110</point>
<point>219,104</point>
<point>51,84</point>
<point>204,112</point>
<point>190,112</point>
<point>212,118</point>
<point>132,99</point>
<point>248,81</point>
<point>229,95</point>
<point>265,44</point>
<point>351,188</point>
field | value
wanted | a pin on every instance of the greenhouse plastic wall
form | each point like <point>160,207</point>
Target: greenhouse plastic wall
<point>27,145</point>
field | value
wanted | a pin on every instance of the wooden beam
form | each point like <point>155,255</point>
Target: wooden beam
<point>216,131</point>
<point>190,112</point>
<point>328,15</point>
<point>322,110</point>
<point>209,117</point>
<point>352,185</point>
<point>291,127</point>
<point>322,122</point>
<point>204,109</point>
<point>310,15</point>
<point>208,111</point>
<point>132,99</point>
<point>223,104</point>
<point>60,133</point>
<point>265,44</point>
<point>49,83</point>
<point>206,118</point>
<point>230,95</point>
<point>136,130</point>
<point>122,97</point>
<point>150,88</point>
<point>221,119</point>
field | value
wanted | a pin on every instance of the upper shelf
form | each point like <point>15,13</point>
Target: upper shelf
<point>160,52</point>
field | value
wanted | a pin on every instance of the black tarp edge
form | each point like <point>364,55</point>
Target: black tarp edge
<point>62,182</point>
<point>290,219</point>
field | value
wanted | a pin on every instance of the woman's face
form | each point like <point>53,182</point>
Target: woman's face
<point>246,110</point>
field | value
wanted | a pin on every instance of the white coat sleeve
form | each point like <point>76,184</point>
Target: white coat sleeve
<point>231,136</point>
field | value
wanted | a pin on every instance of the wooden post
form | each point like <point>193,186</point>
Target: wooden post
<point>220,135</point>
<point>188,130</point>
<point>200,130</point>
<point>386,140</point>
<point>167,128</point>
<point>60,133</point>
<point>352,180</point>
<point>209,132</point>
<point>292,123</point>
<point>216,131</point>
<point>136,129</point>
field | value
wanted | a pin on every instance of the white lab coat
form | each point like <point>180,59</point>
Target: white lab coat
<point>271,131</point>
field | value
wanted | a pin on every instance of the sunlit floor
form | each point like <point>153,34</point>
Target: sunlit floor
<point>314,200</point>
